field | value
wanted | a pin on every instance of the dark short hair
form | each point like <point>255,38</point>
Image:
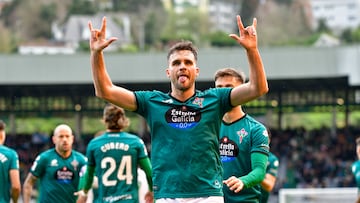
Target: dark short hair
<point>183,45</point>
<point>240,76</point>
<point>2,125</point>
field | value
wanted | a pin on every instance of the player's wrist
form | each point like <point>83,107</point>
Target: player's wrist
<point>83,193</point>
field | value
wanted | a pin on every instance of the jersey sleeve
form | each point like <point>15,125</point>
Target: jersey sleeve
<point>39,166</point>
<point>260,139</point>
<point>15,160</point>
<point>90,154</point>
<point>273,166</point>
<point>141,98</point>
<point>142,149</point>
<point>224,98</point>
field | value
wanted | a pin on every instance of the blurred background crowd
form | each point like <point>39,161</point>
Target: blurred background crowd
<point>308,158</point>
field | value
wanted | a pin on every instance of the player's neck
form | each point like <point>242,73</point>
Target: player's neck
<point>182,95</point>
<point>63,154</point>
<point>233,115</point>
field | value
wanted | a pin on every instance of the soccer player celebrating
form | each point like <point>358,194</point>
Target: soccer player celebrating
<point>184,123</point>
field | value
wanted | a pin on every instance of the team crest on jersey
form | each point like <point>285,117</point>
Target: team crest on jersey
<point>242,133</point>
<point>54,162</point>
<point>75,164</point>
<point>198,101</point>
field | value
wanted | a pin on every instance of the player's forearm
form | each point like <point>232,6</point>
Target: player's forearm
<point>88,178</point>
<point>27,190</point>
<point>268,183</point>
<point>28,187</point>
<point>101,78</point>
<point>15,184</point>
<point>257,174</point>
<point>15,193</point>
<point>257,75</point>
<point>253,178</point>
<point>145,164</point>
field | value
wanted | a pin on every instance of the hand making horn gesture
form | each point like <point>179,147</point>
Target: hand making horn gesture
<point>247,36</point>
<point>98,40</point>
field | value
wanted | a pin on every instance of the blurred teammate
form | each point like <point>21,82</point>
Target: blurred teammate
<point>9,170</point>
<point>269,181</point>
<point>356,167</point>
<point>244,147</point>
<point>114,158</point>
<point>57,169</point>
<point>184,123</point>
<point>94,191</point>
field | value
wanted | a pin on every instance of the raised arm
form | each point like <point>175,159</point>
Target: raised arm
<point>257,84</point>
<point>104,88</point>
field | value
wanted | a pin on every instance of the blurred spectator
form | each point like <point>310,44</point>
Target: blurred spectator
<point>303,153</point>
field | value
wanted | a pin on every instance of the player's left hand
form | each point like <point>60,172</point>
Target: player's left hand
<point>234,184</point>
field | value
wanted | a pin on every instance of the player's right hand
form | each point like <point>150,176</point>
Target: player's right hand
<point>98,40</point>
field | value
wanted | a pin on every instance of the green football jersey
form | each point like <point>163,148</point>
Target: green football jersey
<point>59,177</point>
<point>185,144</point>
<point>8,160</point>
<point>115,157</point>
<point>237,141</point>
<point>272,168</point>
<point>356,172</point>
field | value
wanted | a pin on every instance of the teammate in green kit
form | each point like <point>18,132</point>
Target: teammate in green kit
<point>57,169</point>
<point>244,146</point>
<point>355,168</point>
<point>9,170</point>
<point>269,181</point>
<point>184,123</point>
<point>114,158</point>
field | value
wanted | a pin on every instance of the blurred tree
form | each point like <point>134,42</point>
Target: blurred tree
<point>288,2</point>
<point>150,29</point>
<point>31,20</point>
<point>131,5</point>
<point>323,27</point>
<point>82,7</point>
<point>6,40</point>
<point>7,11</point>
<point>247,11</point>
<point>279,24</point>
<point>190,25</point>
<point>346,36</point>
<point>47,15</point>
<point>356,35</point>
<point>221,39</point>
